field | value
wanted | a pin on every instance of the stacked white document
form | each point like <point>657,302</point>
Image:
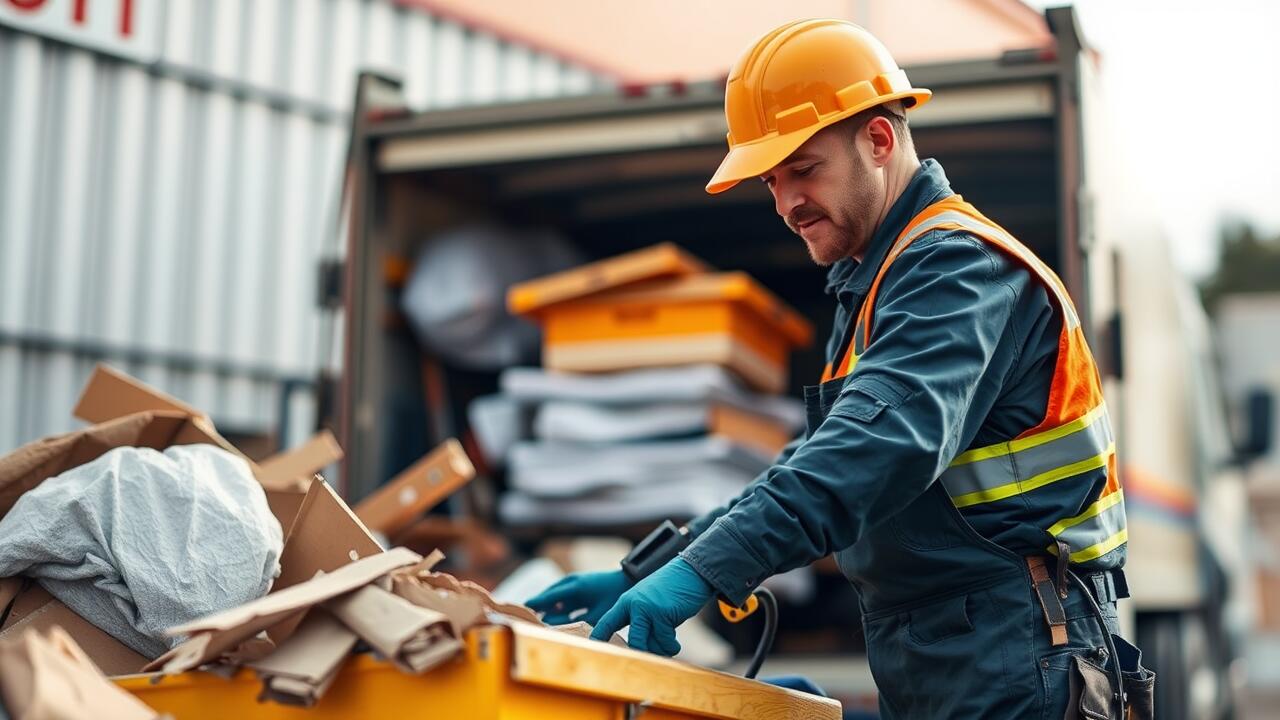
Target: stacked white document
<point>617,506</point>
<point>689,383</point>
<point>563,469</point>
<point>627,447</point>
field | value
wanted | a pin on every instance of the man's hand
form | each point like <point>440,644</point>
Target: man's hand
<point>655,607</point>
<point>595,592</point>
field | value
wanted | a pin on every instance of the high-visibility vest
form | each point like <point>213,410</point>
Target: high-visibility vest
<point>1072,442</point>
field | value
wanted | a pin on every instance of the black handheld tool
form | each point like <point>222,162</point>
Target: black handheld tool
<point>658,547</point>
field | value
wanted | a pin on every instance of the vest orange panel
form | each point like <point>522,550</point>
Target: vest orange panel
<point>1071,443</point>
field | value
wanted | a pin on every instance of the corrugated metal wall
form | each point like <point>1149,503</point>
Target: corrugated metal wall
<point>169,216</point>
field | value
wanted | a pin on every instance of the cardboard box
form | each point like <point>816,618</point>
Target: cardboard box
<point>321,532</point>
<point>425,484</point>
<point>46,675</point>
<point>294,468</point>
<point>597,321</point>
<point>212,635</point>
<point>33,607</point>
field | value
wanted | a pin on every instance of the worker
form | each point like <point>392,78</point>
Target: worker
<point>958,458</point>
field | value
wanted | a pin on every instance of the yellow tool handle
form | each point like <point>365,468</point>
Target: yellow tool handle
<point>738,614</point>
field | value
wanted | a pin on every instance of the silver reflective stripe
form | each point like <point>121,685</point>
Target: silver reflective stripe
<point>981,479</point>
<point>953,217</point>
<point>1095,532</point>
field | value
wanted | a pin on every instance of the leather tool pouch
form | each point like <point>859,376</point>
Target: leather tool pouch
<point>1091,690</point>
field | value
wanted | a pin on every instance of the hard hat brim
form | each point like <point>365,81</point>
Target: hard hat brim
<point>756,158</point>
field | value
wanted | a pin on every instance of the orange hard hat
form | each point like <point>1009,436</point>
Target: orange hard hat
<point>798,79</point>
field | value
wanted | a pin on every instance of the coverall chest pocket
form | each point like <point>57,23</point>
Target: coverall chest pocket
<point>930,522</point>
<point>818,401</point>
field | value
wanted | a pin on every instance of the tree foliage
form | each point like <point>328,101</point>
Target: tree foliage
<point>1247,263</point>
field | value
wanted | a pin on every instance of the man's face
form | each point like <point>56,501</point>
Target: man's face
<point>828,194</point>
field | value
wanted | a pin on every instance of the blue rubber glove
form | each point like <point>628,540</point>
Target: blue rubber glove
<point>595,592</point>
<point>655,607</point>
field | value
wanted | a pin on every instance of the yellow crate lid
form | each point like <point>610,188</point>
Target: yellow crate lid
<point>664,260</point>
<point>730,286</point>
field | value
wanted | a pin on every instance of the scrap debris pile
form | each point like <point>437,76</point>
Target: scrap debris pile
<point>146,543</point>
<point>392,603</point>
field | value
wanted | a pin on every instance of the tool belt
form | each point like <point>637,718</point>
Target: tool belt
<point>1126,692</point>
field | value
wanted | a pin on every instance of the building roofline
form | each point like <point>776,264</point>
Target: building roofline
<point>513,35</point>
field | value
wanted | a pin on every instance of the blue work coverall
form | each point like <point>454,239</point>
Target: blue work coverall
<point>963,357</point>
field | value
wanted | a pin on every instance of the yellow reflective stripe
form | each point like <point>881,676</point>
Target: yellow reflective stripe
<point>1037,481</point>
<point>1096,551</point>
<point>1092,511</point>
<point>1013,446</point>
<point>853,361</point>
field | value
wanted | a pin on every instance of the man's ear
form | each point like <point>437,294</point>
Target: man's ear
<point>883,141</point>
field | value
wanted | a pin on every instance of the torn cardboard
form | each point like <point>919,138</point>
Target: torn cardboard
<point>422,486</point>
<point>47,676</point>
<point>302,669</point>
<point>36,462</point>
<point>110,394</point>
<point>31,607</point>
<point>415,638</point>
<point>466,588</point>
<point>293,469</point>
<point>325,539</point>
<point>464,611</point>
<point>219,633</point>
<point>325,536</point>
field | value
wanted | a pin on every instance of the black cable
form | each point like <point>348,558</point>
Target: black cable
<point>1106,637</point>
<point>770,606</point>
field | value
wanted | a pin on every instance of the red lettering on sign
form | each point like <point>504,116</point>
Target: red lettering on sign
<point>80,11</point>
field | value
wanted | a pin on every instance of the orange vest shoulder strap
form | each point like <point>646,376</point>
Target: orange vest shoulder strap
<point>953,213</point>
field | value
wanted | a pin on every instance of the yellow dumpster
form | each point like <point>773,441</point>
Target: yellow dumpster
<point>514,672</point>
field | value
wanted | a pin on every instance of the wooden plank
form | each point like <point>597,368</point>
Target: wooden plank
<point>553,659</point>
<point>422,486</point>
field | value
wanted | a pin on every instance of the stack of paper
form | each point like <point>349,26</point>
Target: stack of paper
<point>629,447</point>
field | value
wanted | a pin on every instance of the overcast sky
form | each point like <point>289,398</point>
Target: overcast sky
<point>1194,93</point>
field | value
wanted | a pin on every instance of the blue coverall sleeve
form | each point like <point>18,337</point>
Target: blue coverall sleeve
<point>698,525</point>
<point>935,365</point>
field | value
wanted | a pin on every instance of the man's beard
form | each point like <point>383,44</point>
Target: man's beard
<point>844,239</point>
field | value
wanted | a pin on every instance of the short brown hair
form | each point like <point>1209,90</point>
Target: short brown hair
<point>894,112</point>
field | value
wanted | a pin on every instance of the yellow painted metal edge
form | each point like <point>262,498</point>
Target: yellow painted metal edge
<point>549,658</point>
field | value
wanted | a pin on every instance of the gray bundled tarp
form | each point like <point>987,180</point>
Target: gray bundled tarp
<point>138,541</point>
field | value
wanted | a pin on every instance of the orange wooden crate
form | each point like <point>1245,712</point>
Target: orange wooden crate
<point>673,315</point>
